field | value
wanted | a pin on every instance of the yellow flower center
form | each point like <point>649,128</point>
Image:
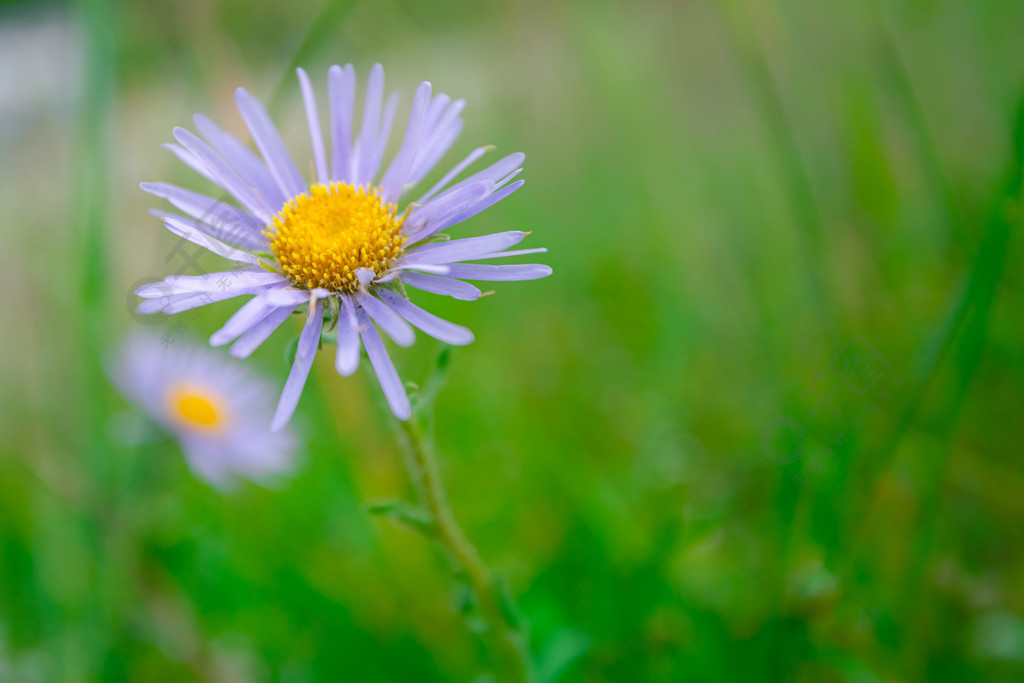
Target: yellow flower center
<point>196,408</point>
<point>322,238</point>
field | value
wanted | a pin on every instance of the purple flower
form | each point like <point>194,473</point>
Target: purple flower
<point>218,410</point>
<point>343,246</point>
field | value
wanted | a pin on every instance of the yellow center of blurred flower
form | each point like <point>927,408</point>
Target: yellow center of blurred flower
<point>194,407</point>
<point>322,238</point>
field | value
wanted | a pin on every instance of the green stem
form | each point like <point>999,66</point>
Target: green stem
<point>505,638</point>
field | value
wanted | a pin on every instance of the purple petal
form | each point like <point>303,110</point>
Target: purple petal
<point>416,265</point>
<point>442,134</point>
<point>493,173</point>
<point>218,219</point>
<point>398,172</point>
<point>224,281</point>
<point>242,321</point>
<point>288,297</point>
<point>385,129</point>
<point>347,360</point>
<point>224,175</point>
<point>464,249</point>
<point>434,151</point>
<point>485,203</point>
<point>436,327</point>
<point>269,142</point>
<point>246,162</point>
<point>205,299</point>
<point>186,302</point>
<point>473,271</point>
<point>388,320</point>
<point>207,460</point>
<point>388,378</point>
<point>504,181</point>
<point>192,161</point>
<point>341,85</point>
<point>315,133</point>
<point>513,252</point>
<point>258,333</point>
<point>309,340</point>
<point>431,121</point>
<point>441,212</point>
<point>438,106</point>
<point>456,170</point>
<point>442,285</point>
<point>366,151</point>
<point>449,203</point>
<point>186,228</point>
<point>156,305</point>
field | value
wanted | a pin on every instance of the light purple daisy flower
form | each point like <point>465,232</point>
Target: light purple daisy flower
<point>218,411</point>
<point>344,245</point>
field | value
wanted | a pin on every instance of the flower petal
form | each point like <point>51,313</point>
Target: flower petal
<point>191,160</point>
<point>315,132</point>
<point>416,265</point>
<point>436,327</point>
<point>187,229</point>
<point>366,154</point>
<point>393,182</point>
<point>484,203</point>
<point>474,271</point>
<point>217,219</point>
<point>245,161</point>
<point>442,133</point>
<point>304,355</point>
<point>222,281</point>
<point>243,320</point>
<point>390,383</point>
<point>512,252</point>
<point>464,249</point>
<point>288,297</point>
<point>389,321</point>
<point>258,333</point>
<point>186,302</point>
<point>156,305</point>
<point>385,128</point>
<point>493,173</point>
<point>457,289</point>
<point>341,88</point>
<point>456,170</point>
<point>207,461</point>
<point>224,175</point>
<point>347,360</point>
<point>441,212</point>
<point>269,142</point>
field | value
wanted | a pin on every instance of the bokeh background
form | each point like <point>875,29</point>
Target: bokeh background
<point>763,423</point>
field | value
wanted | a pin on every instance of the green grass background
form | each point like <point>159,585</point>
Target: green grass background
<point>663,447</point>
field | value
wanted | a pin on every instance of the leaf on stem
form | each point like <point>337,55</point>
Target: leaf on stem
<point>405,514</point>
<point>424,399</point>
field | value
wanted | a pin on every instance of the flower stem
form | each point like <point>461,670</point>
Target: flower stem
<point>504,635</point>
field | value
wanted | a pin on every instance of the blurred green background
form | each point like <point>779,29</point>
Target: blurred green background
<point>761,424</point>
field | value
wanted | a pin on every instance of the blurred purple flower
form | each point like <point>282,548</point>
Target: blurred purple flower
<point>218,411</point>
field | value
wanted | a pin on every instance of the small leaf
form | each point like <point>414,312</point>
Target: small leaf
<point>475,624</point>
<point>423,400</point>
<point>444,358</point>
<point>512,614</point>
<point>563,649</point>
<point>465,601</point>
<point>405,514</point>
